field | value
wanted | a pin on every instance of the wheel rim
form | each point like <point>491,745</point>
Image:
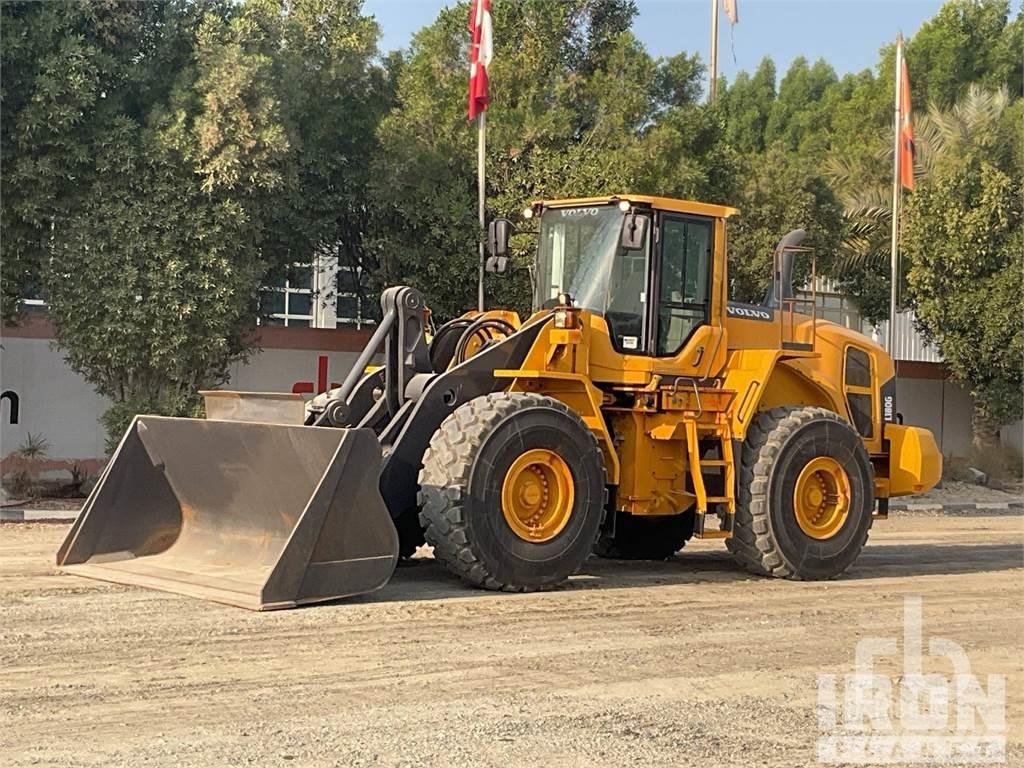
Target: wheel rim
<point>821,498</point>
<point>537,495</point>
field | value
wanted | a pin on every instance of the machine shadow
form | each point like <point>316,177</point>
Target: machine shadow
<point>425,579</point>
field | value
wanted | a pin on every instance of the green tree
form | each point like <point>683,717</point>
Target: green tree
<point>748,105</point>
<point>963,238</point>
<point>580,108</point>
<point>779,193</point>
<point>161,159</point>
<point>332,99</point>
<point>968,41</point>
<point>860,124</point>
<point>797,112</point>
<point>153,315</point>
<point>863,184</point>
<point>64,63</point>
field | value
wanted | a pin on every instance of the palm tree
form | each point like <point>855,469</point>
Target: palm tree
<point>942,132</point>
<point>862,186</point>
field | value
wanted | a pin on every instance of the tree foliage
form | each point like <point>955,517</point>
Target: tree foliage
<point>963,237</point>
<point>162,159</point>
<point>584,110</point>
<point>748,105</point>
<point>966,42</point>
<point>780,193</point>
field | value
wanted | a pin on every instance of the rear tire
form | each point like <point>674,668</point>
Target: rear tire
<point>646,538</point>
<point>464,481</point>
<point>771,536</point>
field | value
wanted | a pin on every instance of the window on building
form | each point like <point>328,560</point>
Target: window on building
<point>290,302</point>
<point>355,306</point>
<point>320,295</point>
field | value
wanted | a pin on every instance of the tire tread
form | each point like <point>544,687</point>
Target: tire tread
<point>447,472</point>
<point>752,544</point>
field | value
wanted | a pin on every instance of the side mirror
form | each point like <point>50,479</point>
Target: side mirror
<point>498,233</point>
<point>634,232</point>
<point>496,264</point>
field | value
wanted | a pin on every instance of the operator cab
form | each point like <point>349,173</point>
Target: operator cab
<point>611,254</point>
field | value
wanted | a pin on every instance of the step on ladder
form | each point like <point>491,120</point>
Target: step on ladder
<point>718,431</point>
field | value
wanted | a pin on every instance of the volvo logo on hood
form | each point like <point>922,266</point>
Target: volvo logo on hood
<point>751,312</point>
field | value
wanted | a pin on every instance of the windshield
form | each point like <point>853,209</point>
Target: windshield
<point>580,254</point>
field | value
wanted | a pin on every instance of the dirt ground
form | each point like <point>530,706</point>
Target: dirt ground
<point>953,491</point>
<point>677,663</point>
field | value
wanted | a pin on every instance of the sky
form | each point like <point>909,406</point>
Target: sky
<point>847,33</point>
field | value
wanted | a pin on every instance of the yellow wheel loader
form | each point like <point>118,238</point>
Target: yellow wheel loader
<point>637,407</point>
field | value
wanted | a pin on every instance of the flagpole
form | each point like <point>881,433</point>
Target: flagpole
<point>894,264</point>
<point>481,201</point>
<point>713,69</point>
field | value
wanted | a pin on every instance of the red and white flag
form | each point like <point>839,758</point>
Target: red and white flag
<point>906,130</point>
<point>480,55</point>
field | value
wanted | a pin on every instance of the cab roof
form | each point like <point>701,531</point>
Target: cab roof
<point>659,203</point>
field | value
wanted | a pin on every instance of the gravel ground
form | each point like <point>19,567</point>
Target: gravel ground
<point>48,503</point>
<point>684,662</point>
<point>953,491</point>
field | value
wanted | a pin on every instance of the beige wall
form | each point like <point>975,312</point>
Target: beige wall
<point>1013,434</point>
<point>945,408</point>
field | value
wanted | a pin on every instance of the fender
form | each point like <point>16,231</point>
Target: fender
<point>766,378</point>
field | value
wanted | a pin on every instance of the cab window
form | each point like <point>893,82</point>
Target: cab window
<point>627,305</point>
<point>683,283</point>
<point>581,253</point>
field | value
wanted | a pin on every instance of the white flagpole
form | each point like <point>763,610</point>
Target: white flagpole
<point>713,69</point>
<point>481,200</point>
<point>895,244</point>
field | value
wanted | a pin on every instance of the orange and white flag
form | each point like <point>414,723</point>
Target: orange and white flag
<point>906,131</point>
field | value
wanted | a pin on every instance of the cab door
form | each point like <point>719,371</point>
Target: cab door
<point>681,329</point>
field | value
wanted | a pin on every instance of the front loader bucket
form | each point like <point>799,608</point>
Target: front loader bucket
<point>260,516</point>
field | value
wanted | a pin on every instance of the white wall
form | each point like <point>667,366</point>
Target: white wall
<point>276,370</point>
<point>55,402</point>
<point>62,407</point>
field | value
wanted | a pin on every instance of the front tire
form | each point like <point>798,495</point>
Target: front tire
<point>512,492</point>
<point>805,495</point>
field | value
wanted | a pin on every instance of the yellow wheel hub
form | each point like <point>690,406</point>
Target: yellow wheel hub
<point>821,498</point>
<point>537,495</point>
